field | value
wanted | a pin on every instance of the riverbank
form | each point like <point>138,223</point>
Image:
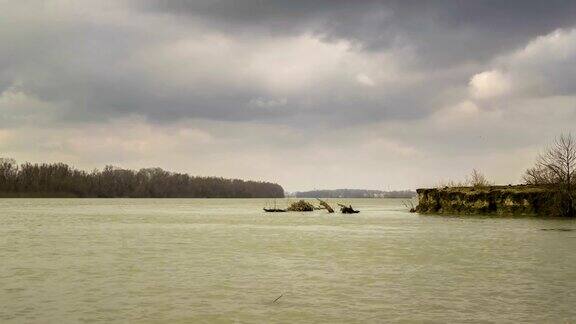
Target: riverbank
<point>492,200</point>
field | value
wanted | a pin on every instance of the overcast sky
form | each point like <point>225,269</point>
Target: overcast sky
<point>309,94</point>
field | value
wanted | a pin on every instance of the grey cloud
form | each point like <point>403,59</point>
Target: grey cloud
<point>447,31</point>
<point>82,72</point>
<point>80,64</point>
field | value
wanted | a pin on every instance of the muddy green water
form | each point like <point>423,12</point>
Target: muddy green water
<point>222,261</point>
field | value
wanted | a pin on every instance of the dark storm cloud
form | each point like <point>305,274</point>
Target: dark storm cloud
<point>446,31</point>
<point>80,66</point>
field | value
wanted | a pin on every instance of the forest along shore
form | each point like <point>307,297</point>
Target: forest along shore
<point>59,180</point>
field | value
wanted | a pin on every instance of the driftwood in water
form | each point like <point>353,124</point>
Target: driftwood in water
<point>274,210</point>
<point>326,206</point>
<point>410,205</point>
<point>347,209</point>
<point>301,206</point>
<point>275,300</point>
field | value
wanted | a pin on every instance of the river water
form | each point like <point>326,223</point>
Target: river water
<point>225,261</point>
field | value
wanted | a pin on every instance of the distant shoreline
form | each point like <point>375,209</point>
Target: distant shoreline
<point>353,193</point>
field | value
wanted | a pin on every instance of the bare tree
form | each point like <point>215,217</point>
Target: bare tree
<point>475,179</point>
<point>558,163</point>
<point>478,179</point>
<point>556,167</point>
<point>538,176</point>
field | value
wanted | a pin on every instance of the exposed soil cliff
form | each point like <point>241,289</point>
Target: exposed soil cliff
<point>499,200</point>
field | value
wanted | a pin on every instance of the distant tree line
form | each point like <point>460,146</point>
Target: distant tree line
<point>354,193</point>
<point>62,180</point>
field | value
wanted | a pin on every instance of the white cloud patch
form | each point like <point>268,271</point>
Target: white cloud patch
<point>365,80</point>
<point>293,64</point>
<point>490,84</point>
<point>463,112</point>
<point>545,66</point>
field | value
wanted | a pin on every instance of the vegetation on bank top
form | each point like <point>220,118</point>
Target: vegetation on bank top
<point>503,188</point>
<point>354,193</point>
<point>62,180</point>
<point>476,179</point>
